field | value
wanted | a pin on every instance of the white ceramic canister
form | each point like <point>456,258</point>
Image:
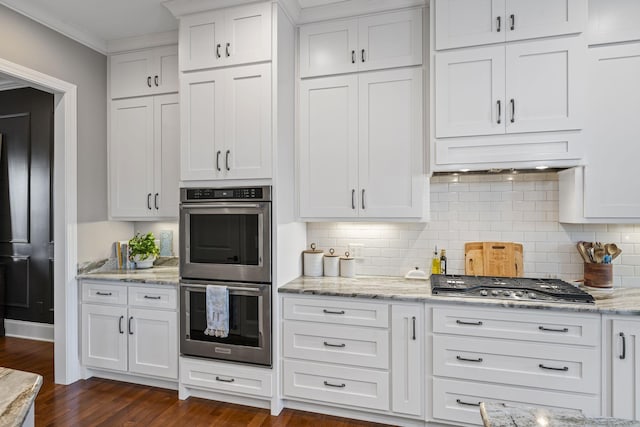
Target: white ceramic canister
<point>347,266</point>
<point>331,264</point>
<point>312,261</point>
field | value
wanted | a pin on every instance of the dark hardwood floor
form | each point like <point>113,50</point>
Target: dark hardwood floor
<point>99,402</point>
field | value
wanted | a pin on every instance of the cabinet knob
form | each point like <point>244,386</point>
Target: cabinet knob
<point>149,81</point>
<point>624,346</point>
<point>218,50</point>
<point>155,201</point>
<point>226,160</point>
<point>155,80</point>
<point>513,110</point>
<point>499,111</point>
<point>353,56</point>
<point>149,201</point>
<point>227,50</point>
<point>218,160</point>
<point>363,56</point>
<point>512,17</point>
<point>498,24</point>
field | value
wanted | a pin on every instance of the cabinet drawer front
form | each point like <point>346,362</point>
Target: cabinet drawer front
<point>104,293</point>
<point>556,367</point>
<point>158,297</point>
<point>209,375</point>
<point>519,325</point>
<point>349,345</point>
<point>337,311</point>
<point>458,401</point>
<point>336,384</point>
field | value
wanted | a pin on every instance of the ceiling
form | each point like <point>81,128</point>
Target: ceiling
<point>94,23</point>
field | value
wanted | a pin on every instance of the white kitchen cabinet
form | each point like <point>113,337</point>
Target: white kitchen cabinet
<point>624,374</point>
<point>144,144</point>
<point>134,336</point>
<point>612,21</point>
<point>407,355</point>
<point>522,87</point>
<point>233,36</point>
<point>368,43</point>
<point>145,72</point>
<point>226,129</point>
<point>361,145</point>
<point>462,23</point>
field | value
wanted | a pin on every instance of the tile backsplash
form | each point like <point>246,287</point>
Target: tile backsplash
<point>519,208</point>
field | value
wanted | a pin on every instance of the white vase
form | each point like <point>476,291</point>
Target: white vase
<point>146,263</point>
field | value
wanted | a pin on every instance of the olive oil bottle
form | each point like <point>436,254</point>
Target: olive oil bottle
<point>435,262</point>
<point>443,261</point>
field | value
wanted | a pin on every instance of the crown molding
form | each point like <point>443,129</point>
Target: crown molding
<point>142,42</point>
<point>348,8</point>
<point>186,7</point>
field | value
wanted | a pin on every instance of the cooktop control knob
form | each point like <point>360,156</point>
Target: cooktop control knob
<point>506,293</point>
<point>495,292</point>
<point>484,293</point>
<point>519,293</point>
<point>532,295</point>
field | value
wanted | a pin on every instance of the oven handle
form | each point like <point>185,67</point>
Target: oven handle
<point>221,205</point>
<point>253,291</point>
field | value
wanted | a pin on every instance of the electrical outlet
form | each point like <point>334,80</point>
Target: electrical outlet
<point>356,250</point>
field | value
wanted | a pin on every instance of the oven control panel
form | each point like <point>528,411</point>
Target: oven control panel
<point>232,193</point>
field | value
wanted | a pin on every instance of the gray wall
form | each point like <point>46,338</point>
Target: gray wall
<point>35,46</point>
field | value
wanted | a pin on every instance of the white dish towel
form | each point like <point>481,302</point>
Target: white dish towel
<point>217,301</point>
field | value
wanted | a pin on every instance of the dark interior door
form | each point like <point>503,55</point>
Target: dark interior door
<point>26,237</point>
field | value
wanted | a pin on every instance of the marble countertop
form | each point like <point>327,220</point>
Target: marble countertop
<point>18,392</point>
<point>615,301</point>
<point>159,275</point>
<point>509,415</point>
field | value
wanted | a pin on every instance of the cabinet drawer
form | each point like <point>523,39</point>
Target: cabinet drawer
<point>459,401</point>
<point>336,384</point>
<point>338,311</point>
<point>557,367</point>
<point>518,325</point>
<point>209,375</point>
<point>349,345</point>
<point>157,297</point>
<point>104,293</point>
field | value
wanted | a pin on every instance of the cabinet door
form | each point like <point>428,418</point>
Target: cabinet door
<point>390,166</point>
<point>202,41</point>
<point>469,22</point>
<point>166,151</point>
<point>131,157</point>
<point>248,34</point>
<point>390,40</point>
<point>131,74</point>
<point>247,151</point>
<point>104,339</point>
<point>613,132</point>
<point>542,18</point>
<point>613,21</point>
<point>329,147</point>
<point>469,90</point>
<point>545,85</point>
<point>407,343</point>
<point>165,73</point>
<point>153,342</point>
<point>625,376</point>
<point>202,118</point>
<point>329,48</point>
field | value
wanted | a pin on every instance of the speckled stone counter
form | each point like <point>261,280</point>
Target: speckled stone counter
<point>616,301</point>
<point>167,276</point>
<point>18,392</point>
<point>503,415</point>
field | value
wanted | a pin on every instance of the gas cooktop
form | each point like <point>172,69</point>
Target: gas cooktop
<point>509,288</point>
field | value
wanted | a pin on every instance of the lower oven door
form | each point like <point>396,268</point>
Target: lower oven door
<point>249,339</point>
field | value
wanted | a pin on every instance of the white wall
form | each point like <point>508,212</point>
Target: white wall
<point>520,208</point>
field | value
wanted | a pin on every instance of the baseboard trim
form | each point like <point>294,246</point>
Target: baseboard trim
<point>28,330</point>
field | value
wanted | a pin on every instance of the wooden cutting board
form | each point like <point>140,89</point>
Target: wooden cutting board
<point>503,259</point>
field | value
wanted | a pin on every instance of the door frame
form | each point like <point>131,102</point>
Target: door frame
<point>65,224</point>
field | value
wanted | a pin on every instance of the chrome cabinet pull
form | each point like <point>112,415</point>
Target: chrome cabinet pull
<point>498,24</point>
<point>328,384</point>
<point>343,345</point>
<point>542,328</point>
<point>413,320</point>
<point>104,294</point>
<point>332,312</point>
<point>218,160</point>
<point>513,110</point>
<point>226,49</point>
<point>551,368</point>
<point>149,201</point>
<point>363,207</point>
<point>624,346</point>
<point>478,323</point>
<point>226,160</point>
<point>464,359</point>
<point>150,297</point>
<point>218,50</point>
<point>513,21</point>
<point>353,199</point>
<point>353,56</point>
<point>462,402</point>
<point>363,56</point>
<point>499,111</point>
<point>155,80</point>
<point>149,81</point>
<point>225,380</point>
<point>129,325</point>
<point>120,324</point>
<point>155,201</point>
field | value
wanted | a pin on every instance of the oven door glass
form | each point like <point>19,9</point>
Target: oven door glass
<point>217,238</point>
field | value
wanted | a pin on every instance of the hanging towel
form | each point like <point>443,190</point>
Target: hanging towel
<point>217,300</point>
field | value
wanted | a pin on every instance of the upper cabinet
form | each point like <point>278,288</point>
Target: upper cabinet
<point>145,72</point>
<point>612,21</point>
<point>233,36</point>
<point>368,43</point>
<point>461,23</point>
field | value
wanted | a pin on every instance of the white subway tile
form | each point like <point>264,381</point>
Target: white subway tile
<point>479,186</point>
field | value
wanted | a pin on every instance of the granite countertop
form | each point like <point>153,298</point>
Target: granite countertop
<point>164,272</point>
<point>18,392</point>
<point>509,415</point>
<point>615,301</point>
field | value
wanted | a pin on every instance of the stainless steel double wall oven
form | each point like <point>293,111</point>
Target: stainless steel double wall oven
<point>225,240</point>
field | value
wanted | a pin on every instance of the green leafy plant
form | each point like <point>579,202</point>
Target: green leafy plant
<point>143,245</point>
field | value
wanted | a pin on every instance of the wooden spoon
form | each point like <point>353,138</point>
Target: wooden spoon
<point>613,250</point>
<point>583,252</point>
<point>599,253</point>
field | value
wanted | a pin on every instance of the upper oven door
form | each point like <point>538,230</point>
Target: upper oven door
<point>226,241</point>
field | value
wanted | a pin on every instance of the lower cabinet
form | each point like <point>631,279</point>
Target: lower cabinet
<point>623,368</point>
<point>138,337</point>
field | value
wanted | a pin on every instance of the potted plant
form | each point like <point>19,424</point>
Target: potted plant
<point>143,250</point>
